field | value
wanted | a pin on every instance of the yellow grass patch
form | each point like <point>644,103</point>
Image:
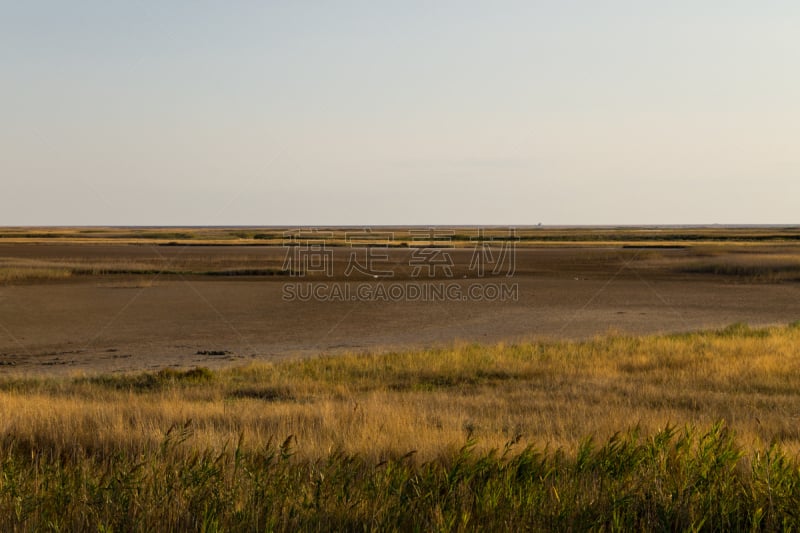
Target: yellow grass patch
<point>551,393</point>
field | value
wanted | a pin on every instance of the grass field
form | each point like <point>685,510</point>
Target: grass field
<point>663,432</point>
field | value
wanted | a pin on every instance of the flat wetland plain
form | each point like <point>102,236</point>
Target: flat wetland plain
<point>644,378</point>
<point>90,300</point>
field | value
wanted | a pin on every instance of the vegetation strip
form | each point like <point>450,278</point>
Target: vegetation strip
<point>471,437</point>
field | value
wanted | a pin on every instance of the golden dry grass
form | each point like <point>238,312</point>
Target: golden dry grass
<point>754,266</point>
<point>14,274</point>
<point>552,393</point>
<point>19,270</point>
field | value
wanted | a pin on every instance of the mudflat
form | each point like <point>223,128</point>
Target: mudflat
<point>77,307</point>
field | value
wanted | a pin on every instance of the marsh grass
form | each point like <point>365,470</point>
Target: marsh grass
<point>750,267</point>
<point>136,282</point>
<point>697,430</point>
<point>18,270</point>
<point>673,480</point>
<point>22,274</point>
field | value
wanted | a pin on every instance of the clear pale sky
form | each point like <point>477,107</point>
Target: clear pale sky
<point>407,112</point>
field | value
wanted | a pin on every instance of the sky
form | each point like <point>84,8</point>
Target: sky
<point>399,112</point>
